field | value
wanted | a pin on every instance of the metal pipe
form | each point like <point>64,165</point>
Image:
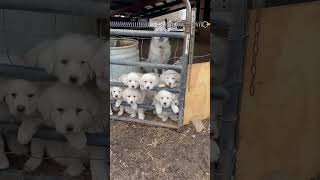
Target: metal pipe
<point>145,121</point>
<point>155,89</point>
<point>74,7</point>
<point>94,139</point>
<point>143,64</point>
<point>145,33</point>
<point>27,73</point>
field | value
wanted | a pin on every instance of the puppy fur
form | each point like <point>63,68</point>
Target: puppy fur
<point>159,51</point>
<point>170,78</point>
<point>148,81</point>
<point>133,97</point>
<point>69,109</point>
<point>73,59</point>
<point>131,79</point>
<point>116,94</point>
<point>165,99</point>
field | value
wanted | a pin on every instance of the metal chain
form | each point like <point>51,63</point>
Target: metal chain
<point>255,51</point>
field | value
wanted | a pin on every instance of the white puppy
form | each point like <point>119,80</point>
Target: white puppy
<point>133,97</point>
<point>73,58</point>
<point>131,79</point>
<point>165,99</point>
<point>170,78</point>
<point>69,109</point>
<point>165,115</point>
<point>116,94</point>
<point>160,50</point>
<point>148,81</point>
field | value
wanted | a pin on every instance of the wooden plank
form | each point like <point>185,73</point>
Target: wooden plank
<point>197,99</point>
<point>280,126</point>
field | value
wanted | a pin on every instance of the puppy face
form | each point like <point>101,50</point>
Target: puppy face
<point>148,81</point>
<point>116,92</point>
<point>160,41</point>
<point>22,97</point>
<point>165,98</point>
<point>68,108</point>
<point>171,78</point>
<point>131,96</point>
<point>133,80</point>
<point>69,59</point>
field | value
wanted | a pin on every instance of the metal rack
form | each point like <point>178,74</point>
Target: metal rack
<point>188,36</point>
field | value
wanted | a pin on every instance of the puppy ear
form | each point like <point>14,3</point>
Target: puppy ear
<point>124,79</point>
<point>141,83</point>
<point>98,62</point>
<point>45,106</point>
<point>177,76</point>
<point>124,94</point>
<point>46,59</point>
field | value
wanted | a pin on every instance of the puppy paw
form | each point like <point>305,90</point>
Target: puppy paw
<point>162,85</point>
<point>111,113</point>
<point>32,164</point>
<point>24,138</point>
<point>133,115</point>
<point>164,119</point>
<point>175,109</point>
<point>120,113</point>
<point>78,141</point>
<point>158,110</point>
<point>134,106</point>
<point>141,116</point>
<point>4,162</point>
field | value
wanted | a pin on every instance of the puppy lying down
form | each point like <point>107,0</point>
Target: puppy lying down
<point>71,111</point>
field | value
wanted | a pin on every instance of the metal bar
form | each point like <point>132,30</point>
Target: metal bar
<point>145,121</point>
<point>144,33</point>
<point>27,73</point>
<point>228,70</point>
<point>94,139</point>
<point>75,7</point>
<point>155,89</point>
<point>143,64</point>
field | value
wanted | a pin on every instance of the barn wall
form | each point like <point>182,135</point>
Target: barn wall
<point>280,124</point>
<point>20,30</point>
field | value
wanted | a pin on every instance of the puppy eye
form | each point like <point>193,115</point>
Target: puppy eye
<point>172,78</point>
<point>150,82</point>
<point>167,97</point>
<point>14,95</point>
<point>30,95</point>
<point>134,96</point>
<point>61,110</point>
<point>64,61</point>
<point>78,110</point>
<point>114,91</point>
<point>119,91</point>
<point>129,96</point>
<point>82,62</point>
<point>129,80</point>
<point>145,81</point>
<point>161,97</point>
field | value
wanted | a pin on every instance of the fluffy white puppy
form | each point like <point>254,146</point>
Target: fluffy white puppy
<point>133,97</point>
<point>131,79</point>
<point>165,115</point>
<point>73,58</point>
<point>170,78</point>
<point>160,50</point>
<point>165,99</point>
<point>116,94</point>
<point>69,109</point>
<point>148,81</point>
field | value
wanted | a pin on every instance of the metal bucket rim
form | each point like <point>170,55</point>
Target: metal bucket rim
<point>134,43</point>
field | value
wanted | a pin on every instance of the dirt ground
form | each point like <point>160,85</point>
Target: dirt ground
<point>144,152</point>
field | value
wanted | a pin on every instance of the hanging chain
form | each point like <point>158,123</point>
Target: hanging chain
<point>255,51</point>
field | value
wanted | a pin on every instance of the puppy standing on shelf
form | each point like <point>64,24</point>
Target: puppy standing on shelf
<point>133,97</point>
<point>160,50</point>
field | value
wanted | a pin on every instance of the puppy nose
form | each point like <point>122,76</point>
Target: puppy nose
<point>132,86</point>
<point>131,102</point>
<point>69,128</point>
<point>116,96</point>
<point>20,108</point>
<point>73,79</point>
<point>165,103</point>
<point>148,88</point>
<point>169,84</point>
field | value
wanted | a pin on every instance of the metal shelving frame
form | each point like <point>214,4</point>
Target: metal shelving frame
<point>186,58</point>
